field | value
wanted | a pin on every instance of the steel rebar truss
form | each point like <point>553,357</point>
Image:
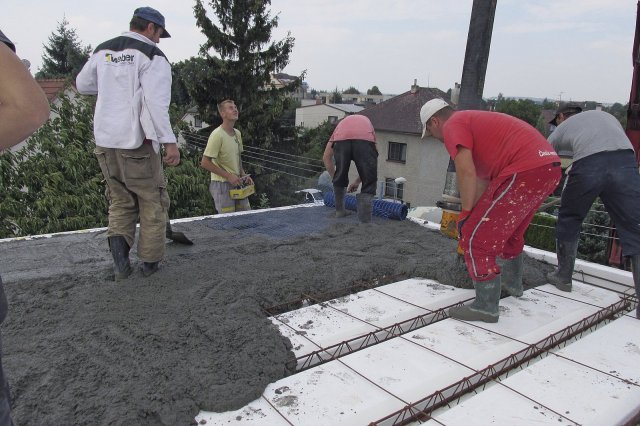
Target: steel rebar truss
<point>355,344</point>
<point>422,409</point>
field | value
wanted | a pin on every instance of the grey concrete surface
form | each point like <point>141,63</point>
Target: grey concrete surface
<point>81,349</point>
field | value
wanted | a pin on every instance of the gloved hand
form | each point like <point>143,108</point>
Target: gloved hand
<point>462,218</point>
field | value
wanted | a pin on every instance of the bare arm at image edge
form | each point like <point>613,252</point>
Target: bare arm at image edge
<point>23,105</point>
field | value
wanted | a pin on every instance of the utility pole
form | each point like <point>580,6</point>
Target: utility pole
<point>474,70</point>
<point>477,54</point>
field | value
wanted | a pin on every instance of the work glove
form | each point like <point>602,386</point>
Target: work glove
<point>462,218</point>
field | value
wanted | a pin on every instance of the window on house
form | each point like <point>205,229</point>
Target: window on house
<point>197,121</point>
<point>332,119</point>
<point>397,152</point>
<point>390,186</point>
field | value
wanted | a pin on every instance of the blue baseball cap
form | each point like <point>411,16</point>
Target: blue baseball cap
<point>152,15</point>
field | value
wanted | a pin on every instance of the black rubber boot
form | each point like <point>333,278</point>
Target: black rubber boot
<point>512,275</point>
<point>635,269</point>
<point>566,253</point>
<point>364,207</point>
<point>338,193</point>
<point>149,268</point>
<point>177,237</point>
<point>485,307</point>
<point>120,252</point>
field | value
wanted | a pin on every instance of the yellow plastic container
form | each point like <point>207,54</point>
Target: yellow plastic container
<point>242,192</point>
<point>448,224</point>
<point>449,228</point>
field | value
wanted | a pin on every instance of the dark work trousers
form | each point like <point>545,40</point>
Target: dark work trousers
<point>365,155</point>
<point>612,176</point>
<point>5,398</point>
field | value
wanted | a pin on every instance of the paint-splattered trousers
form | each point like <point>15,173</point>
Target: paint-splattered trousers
<point>499,220</point>
<point>136,189</point>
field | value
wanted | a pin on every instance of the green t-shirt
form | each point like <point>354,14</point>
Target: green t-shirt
<point>224,151</point>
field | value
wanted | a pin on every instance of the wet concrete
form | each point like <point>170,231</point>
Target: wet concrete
<point>81,349</point>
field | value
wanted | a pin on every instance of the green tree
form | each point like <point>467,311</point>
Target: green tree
<point>374,91</point>
<point>187,184</point>
<point>179,77</point>
<point>619,111</point>
<point>547,104</point>
<point>594,235</point>
<point>336,96</point>
<point>53,183</point>
<point>524,109</point>
<point>351,91</point>
<point>245,59</point>
<point>64,55</point>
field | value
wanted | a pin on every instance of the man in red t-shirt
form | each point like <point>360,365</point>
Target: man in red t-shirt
<point>505,169</point>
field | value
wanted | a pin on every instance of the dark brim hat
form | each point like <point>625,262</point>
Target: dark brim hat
<point>152,15</point>
<point>568,108</point>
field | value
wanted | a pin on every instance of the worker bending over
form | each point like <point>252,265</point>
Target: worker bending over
<point>505,169</point>
<point>604,165</point>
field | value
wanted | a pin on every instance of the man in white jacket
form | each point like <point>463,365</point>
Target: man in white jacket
<point>132,79</point>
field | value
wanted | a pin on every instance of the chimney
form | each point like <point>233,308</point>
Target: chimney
<point>414,87</point>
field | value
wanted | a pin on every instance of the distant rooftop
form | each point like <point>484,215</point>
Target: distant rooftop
<point>402,113</point>
<point>53,86</point>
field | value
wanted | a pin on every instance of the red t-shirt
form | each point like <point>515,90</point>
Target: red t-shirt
<point>500,144</point>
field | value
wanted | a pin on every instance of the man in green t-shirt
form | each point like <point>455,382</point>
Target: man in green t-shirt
<point>222,158</point>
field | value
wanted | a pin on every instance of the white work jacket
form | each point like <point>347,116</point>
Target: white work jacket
<point>132,79</point>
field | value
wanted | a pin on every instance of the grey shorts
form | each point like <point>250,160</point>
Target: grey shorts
<point>223,201</point>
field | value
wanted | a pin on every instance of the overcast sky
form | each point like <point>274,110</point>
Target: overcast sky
<point>568,49</point>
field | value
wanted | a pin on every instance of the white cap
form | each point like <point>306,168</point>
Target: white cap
<point>427,111</point>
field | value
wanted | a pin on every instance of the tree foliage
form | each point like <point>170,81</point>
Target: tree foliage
<point>619,111</point>
<point>236,62</point>
<point>524,109</point>
<point>336,96</point>
<point>374,91</point>
<point>351,91</point>
<point>64,55</point>
<point>244,65</point>
<point>594,235</point>
<point>53,183</point>
<point>188,187</point>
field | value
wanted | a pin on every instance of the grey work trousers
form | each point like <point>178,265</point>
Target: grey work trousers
<point>136,189</point>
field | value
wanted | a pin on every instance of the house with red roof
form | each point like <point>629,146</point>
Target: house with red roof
<point>403,153</point>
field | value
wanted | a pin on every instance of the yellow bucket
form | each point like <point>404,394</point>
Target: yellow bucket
<point>448,224</point>
<point>243,192</point>
<point>449,228</point>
